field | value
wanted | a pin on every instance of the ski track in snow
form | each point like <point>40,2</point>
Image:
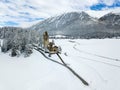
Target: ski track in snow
<point>97,56</point>
<point>105,57</point>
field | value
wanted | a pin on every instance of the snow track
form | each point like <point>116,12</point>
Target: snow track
<point>104,57</point>
<point>65,65</point>
<point>109,58</point>
<point>102,71</point>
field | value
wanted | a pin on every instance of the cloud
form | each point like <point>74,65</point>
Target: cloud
<point>100,13</point>
<point>105,5</point>
<point>108,2</point>
<point>25,12</point>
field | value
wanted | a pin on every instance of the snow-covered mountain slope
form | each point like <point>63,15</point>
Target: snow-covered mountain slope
<point>64,19</point>
<point>112,20</point>
<point>97,61</point>
<point>76,24</point>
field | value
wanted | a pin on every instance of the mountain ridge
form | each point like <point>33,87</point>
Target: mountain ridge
<point>78,25</point>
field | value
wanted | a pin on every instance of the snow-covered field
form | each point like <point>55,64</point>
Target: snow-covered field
<point>97,61</point>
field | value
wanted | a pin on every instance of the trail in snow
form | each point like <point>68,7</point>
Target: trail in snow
<point>99,62</point>
<point>84,58</point>
<point>97,56</point>
<point>100,76</point>
<point>105,57</point>
<point>109,58</point>
<point>65,65</point>
<point>49,58</point>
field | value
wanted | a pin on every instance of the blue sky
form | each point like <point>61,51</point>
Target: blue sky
<point>25,13</point>
<point>100,6</point>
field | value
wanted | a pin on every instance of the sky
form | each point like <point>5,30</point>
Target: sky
<point>24,13</point>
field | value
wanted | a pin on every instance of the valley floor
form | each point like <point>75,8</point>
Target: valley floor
<point>95,60</point>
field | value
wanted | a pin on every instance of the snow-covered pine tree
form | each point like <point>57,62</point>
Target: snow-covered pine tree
<point>19,40</point>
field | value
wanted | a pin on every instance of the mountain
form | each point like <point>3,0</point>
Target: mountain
<point>112,20</point>
<point>76,25</point>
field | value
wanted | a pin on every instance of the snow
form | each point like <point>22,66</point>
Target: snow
<point>94,60</point>
<point>60,36</point>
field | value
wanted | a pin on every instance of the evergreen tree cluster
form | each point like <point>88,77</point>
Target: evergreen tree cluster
<point>18,40</point>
